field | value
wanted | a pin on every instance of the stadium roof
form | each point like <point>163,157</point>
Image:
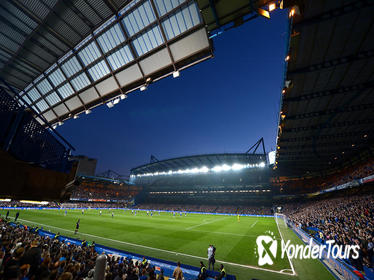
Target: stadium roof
<point>197,161</point>
<point>326,116</point>
<point>65,57</point>
<point>221,14</point>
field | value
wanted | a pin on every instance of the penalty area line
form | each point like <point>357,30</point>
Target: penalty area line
<point>162,250</point>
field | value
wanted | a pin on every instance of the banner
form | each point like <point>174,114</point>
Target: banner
<point>367,179</point>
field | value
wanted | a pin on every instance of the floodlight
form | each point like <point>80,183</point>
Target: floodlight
<point>292,12</point>
<point>75,117</point>
<point>60,123</point>
<point>54,126</point>
<point>262,164</point>
<point>263,13</point>
<point>217,168</point>
<point>271,157</point>
<point>226,167</point>
<point>272,6</point>
<point>88,111</point>
<point>123,96</point>
<point>110,104</point>
<point>204,169</point>
<point>176,74</point>
<point>237,166</point>
<point>116,101</point>
<point>143,88</point>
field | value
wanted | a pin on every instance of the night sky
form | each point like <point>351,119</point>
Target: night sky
<point>222,105</point>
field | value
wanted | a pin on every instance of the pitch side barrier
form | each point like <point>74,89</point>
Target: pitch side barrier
<point>135,209</point>
<point>189,272</point>
<point>340,267</point>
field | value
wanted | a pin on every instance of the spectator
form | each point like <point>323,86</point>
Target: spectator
<point>203,274</point>
<point>178,274</point>
<point>348,220</point>
<point>222,273</point>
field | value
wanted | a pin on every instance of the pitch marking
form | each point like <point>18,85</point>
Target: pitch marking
<point>162,250</point>
<point>253,224</point>
<point>206,223</point>
<point>289,260</point>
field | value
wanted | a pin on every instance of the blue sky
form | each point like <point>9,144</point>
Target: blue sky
<point>222,105</point>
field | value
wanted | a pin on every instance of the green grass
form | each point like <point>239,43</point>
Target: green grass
<point>182,239</point>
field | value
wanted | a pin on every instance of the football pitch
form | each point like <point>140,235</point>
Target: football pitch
<point>183,238</point>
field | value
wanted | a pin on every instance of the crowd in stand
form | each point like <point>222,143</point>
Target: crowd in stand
<point>16,203</point>
<point>253,210</point>
<point>308,185</point>
<point>93,205</point>
<point>348,220</point>
<point>93,190</point>
<point>356,173</point>
<point>26,255</point>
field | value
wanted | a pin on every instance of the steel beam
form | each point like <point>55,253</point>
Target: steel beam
<point>337,12</point>
<point>332,62</point>
<point>330,92</point>
<point>329,125</point>
<point>338,110</point>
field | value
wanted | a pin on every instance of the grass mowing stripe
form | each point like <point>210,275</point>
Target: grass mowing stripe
<point>161,250</point>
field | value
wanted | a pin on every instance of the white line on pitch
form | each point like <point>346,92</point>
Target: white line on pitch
<point>206,223</point>
<point>289,260</point>
<point>227,233</point>
<point>161,250</point>
<point>253,224</point>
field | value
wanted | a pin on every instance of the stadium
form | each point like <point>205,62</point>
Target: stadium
<point>192,82</point>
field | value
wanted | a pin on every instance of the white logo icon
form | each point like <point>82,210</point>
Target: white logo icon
<point>267,245</point>
<point>267,249</point>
